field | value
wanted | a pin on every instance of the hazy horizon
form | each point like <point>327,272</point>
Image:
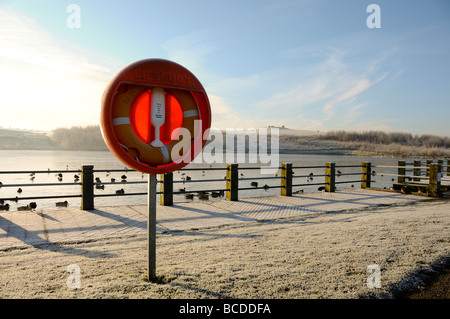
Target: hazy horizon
<point>286,130</point>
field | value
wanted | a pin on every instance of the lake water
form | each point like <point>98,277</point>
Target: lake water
<point>27,160</point>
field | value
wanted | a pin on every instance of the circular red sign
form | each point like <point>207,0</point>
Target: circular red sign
<point>154,115</point>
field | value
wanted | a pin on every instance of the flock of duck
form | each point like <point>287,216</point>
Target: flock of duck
<point>33,205</point>
<point>59,176</point>
<point>202,195</point>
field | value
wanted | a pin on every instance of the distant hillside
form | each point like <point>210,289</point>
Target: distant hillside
<point>75,138</point>
<point>374,143</point>
<point>11,139</point>
<point>397,144</point>
<point>379,137</point>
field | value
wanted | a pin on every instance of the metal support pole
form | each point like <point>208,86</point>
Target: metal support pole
<point>166,198</point>
<point>286,179</point>
<point>151,228</point>
<point>232,182</point>
<point>441,164</point>
<point>330,177</point>
<point>87,187</point>
<point>366,170</point>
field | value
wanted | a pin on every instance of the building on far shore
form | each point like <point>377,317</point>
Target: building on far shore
<point>282,127</point>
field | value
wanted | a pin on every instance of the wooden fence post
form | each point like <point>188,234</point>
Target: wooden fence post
<point>330,177</point>
<point>366,170</point>
<point>417,170</point>
<point>448,166</point>
<point>87,187</point>
<point>166,198</point>
<point>232,182</point>
<point>286,179</point>
<point>428,166</point>
<point>434,183</point>
<point>401,172</point>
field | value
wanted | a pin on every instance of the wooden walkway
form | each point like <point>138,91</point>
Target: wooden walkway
<point>68,224</point>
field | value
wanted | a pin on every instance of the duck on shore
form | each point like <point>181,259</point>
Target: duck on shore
<point>204,196</point>
<point>62,204</point>
<point>406,190</point>
<point>217,194</point>
<point>189,196</point>
<point>30,206</point>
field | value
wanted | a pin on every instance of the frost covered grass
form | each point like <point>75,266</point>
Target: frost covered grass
<point>322,255</point>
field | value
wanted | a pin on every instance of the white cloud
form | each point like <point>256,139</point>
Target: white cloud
<point>224,117</point>
<point>319,94</point>
<point>43,84</point>
<point>328,93</point>
<point>307,96</point>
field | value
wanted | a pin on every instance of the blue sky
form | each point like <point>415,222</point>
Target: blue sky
<point>311,65</point>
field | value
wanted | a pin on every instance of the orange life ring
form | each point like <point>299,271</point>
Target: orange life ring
<point>138,149</point>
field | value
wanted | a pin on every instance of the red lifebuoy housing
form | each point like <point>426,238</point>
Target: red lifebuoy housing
<point>144,109</point>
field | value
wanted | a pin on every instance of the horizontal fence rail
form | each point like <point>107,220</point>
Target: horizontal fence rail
<point>431,179</point>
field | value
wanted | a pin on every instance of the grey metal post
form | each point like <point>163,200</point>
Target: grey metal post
<point>87,187</point>
<point>151,228</point>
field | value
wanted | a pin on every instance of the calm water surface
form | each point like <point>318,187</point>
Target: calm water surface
<point>73,160</point>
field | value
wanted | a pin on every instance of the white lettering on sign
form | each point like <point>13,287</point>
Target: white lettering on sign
<point>167,77</point>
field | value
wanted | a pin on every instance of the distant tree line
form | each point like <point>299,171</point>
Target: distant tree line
<point>379,137</point>
<point>87,138</point>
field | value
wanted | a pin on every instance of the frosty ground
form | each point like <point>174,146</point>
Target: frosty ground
<point>319,255</point>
